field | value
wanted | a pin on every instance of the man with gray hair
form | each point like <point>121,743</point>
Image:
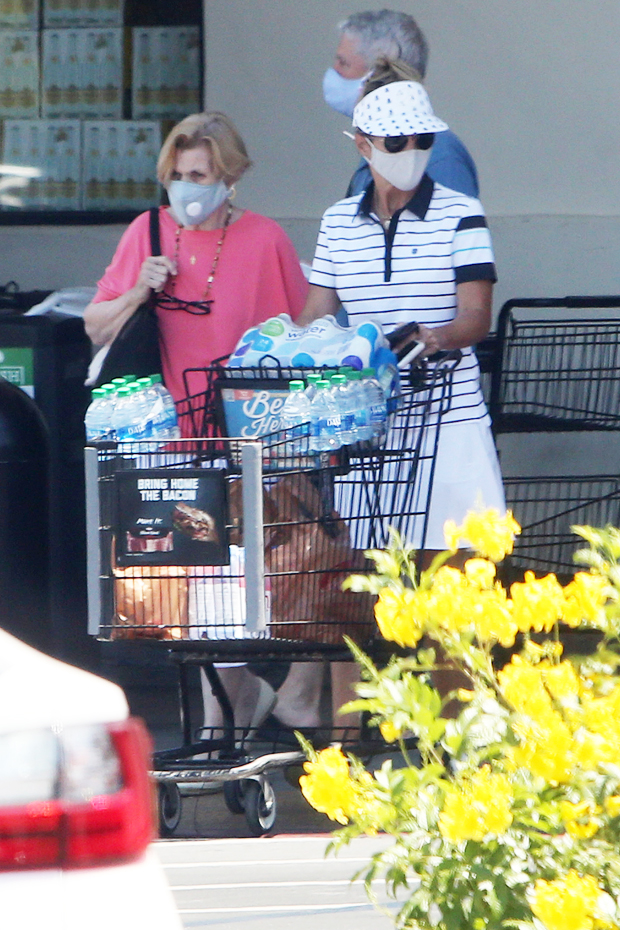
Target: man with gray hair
<point>366,36</point>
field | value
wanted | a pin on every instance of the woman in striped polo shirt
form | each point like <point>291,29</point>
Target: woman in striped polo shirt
<point>409,249</point>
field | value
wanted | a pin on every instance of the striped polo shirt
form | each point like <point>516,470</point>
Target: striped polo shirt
<point>410,271</point>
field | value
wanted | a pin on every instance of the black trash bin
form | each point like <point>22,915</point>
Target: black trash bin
<point>47,356</point>
<point>24,519</point>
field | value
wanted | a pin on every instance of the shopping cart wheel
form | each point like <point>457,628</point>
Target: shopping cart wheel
<point>259,804</point>
<point>170,807</point>
<point>233,796</point>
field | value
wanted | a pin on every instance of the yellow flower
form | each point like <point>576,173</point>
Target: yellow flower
<point>612,805</point>
<point>401,616</point>
<point>580,819</point>
<point>480,572</point>
<point>537,603</point>
<point>601,717</point>
<point>452,535</point>
<point>568,903</point>
<point>389,732</point>
<point>489,533</point>
<point>328,786</point>
<point>585,597</point>
<point>493,620</point>
<point>477,807</point>
<point>522,686</point>
<point>545,748</point>
<point>465,696</point>
<point>561,680</point>
<point>450,600</point>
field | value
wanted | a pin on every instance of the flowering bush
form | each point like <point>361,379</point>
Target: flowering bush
<point>509,814</point>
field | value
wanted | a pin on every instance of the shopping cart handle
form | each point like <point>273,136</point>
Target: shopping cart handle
<point>416,349</point>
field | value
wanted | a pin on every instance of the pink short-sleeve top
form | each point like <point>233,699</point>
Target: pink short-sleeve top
<point>258,275</point>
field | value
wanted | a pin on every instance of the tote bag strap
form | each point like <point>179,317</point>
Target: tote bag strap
<point>154,230</point>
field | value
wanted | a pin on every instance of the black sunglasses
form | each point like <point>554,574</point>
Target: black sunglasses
<point>195,307</point>
<point>395,144</point>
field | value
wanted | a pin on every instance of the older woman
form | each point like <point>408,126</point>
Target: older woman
<point>222,270</point>
<point>408,249</point>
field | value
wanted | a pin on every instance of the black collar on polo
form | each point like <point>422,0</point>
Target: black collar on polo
<point>417,204</point>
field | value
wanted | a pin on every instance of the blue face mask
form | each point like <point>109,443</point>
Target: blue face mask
<point>341,93</point>
<point>192,203</point>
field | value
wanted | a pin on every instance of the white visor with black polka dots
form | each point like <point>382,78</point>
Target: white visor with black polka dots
<point>398,109</point>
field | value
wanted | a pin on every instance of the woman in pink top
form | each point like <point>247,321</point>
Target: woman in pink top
<point>221,271</point>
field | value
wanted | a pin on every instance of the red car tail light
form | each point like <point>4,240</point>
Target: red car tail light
<point>80,796</point>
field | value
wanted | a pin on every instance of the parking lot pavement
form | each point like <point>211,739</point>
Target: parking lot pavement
<point>273,883</point>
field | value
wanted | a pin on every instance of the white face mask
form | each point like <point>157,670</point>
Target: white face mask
<point>403,170</point>
<point>341,93</point>
<point>192,203</point>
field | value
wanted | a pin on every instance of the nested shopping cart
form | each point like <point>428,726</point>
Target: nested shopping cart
<point>557,370</point>
<point>231,546</point>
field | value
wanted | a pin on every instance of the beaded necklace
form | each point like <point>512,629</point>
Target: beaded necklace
<point>197,307</point>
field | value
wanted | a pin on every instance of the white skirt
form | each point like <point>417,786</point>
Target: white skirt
<point>466,476</point>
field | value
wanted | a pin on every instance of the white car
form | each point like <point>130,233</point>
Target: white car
<point>76,802</point>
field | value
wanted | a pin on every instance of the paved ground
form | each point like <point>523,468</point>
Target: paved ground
<point>272,883</point>
<point>221,876</point>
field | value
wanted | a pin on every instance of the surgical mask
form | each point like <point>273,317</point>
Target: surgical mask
<point>193,203</point>
<point>403,170</point>
<point>341,93</point>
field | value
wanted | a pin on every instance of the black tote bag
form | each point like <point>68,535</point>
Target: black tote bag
<point>135,348</point>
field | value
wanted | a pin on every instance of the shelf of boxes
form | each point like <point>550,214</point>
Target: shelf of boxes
<point>73,134</point>
<point>165,72</point>
<point>19,73</point>
<point>48,152</point>
<point>72,13</point>
<point>82,73</point>
<point>119,160</point>
<point>19,14</point>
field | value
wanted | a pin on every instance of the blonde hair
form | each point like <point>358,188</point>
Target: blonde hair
<point>387,71</point>
<point>218,134</point>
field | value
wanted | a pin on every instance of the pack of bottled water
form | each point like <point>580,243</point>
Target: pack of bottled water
<point>322,344</point>
<point>130,411</point>
<point>333,409</point>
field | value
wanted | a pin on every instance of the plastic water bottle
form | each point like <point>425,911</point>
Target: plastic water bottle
<point>296,419</point>
<point>163,414</point>
<point>345,403</point>
<point>97,420</point>
<point>361,412</point>
<point>123,415</point>
<point>376,404</point>
<point>324,420</point>
<point>311,381</point>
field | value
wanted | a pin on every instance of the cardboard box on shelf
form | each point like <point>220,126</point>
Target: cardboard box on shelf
<point>19,14</point>
<point>82,73</point>
<point>82,13</point>
<point>19,74</point>
<point>119,164</point>
<point>166,72</point>
<point>45,155</point>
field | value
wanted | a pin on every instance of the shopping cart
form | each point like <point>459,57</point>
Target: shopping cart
<point>234,549</point>
<point>557,371</point>
<point>548,507</point>
<point>558,363</point>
